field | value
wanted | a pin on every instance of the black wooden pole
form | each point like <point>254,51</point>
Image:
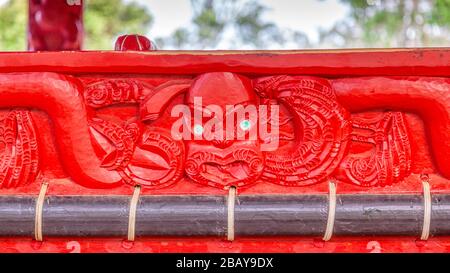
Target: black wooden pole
<point>255,215</point>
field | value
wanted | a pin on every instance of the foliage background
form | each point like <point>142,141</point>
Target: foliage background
<point>370,23</point>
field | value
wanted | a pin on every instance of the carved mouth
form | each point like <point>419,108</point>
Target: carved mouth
<point>242,167</point>
<point>225,173</point>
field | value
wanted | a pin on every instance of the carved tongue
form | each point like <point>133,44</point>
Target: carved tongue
<point>238,171</point>
<point>234,171</point>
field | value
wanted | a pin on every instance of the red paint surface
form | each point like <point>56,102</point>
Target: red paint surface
<point>97,123</point>
<point>329,63</point>
<point>215,245</point>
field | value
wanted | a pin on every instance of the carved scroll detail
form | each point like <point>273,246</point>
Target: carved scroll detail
<point>108,92</point>
<point>158,161</point>
<point>122,141</point>
<point>322,126</point>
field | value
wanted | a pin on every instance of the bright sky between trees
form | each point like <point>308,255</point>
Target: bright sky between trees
<point>302,15</point>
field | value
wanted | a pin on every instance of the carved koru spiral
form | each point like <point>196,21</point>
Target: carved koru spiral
<point>322,128</point>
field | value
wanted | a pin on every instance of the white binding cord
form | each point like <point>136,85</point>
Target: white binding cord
<point>331,211</point>
<point>38,213</point>
<point>132,213</point>
<point>426,211</point>
<point>230,213</point>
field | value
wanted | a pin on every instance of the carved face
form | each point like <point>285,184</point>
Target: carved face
<point>221,152</point>
<point>317,144</point>
<point>99,152</point>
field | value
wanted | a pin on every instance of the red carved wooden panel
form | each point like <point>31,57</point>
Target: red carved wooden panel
<point>99,123</point>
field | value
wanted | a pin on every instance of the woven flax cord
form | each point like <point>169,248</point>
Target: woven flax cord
<point>38,212</point>
<point>331,211</point>
<point>426,210</point>
<point>132,214</point>
<point>230,212</point>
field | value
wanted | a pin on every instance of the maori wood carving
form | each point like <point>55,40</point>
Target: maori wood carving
<point>375,123</point>
<point>352,129</point>
<point>98,123</point>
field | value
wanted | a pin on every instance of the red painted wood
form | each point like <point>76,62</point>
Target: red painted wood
<point>215,245</point>
<point>329,63</point>
<point>99,123</point>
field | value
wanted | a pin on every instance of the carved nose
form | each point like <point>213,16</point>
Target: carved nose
<point>222,143</point>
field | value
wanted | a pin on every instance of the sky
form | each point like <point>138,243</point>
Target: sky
<point>301,15</point>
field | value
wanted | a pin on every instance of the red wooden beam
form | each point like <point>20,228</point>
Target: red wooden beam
<point>386,62</point>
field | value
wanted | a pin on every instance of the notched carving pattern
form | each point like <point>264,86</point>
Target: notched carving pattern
<point>389,160</point>
<point>103,93</point>
<point>19,157</point>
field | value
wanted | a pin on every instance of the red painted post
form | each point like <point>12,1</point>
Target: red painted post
<point>55,25</point>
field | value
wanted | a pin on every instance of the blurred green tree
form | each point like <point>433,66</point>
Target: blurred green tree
<point>393,23</point>
<point>13,25</point>
<point>104,20</point>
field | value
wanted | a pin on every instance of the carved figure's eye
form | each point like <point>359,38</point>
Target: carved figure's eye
<point>198,129</point>
<point>245,125</point>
